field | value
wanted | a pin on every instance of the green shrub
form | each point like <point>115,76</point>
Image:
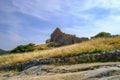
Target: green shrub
<point>102,34</point>
<point>24,48</point>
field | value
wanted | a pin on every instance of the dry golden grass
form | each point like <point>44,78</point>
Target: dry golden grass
<point>67,76</point>
<point>42,47</point>
<point>92,46</point>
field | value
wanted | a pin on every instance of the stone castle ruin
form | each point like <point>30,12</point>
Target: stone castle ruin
<point>58,38</point>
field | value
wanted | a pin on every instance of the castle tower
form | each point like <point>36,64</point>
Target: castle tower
<point>57,32</point>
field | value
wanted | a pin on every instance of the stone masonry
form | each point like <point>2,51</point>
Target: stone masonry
<point>64,39</point>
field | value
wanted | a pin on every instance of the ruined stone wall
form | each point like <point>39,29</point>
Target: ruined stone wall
<point>56,34</point>
<point>96,57</point>
<point>64,39</point>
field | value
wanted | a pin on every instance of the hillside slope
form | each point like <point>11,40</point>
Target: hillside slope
<point>88,47</point>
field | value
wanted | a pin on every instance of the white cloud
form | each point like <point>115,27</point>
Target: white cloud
<point>42,9</point>
<point>81,31</point>
<point>77,7</point>
<point>10,40</point>
<point>109,24</point>
<point>47,9</point>
<point>110,4</point>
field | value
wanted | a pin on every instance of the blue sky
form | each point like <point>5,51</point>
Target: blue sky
<point>32,21</point>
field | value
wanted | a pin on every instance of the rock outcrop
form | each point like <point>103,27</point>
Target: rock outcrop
<point>101,72</point>
<point>64,39</point>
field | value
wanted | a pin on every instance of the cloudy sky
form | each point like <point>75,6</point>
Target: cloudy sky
<point>32,21</point>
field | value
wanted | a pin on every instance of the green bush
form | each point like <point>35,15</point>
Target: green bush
<point>103,34</point>
<point>24,48</point>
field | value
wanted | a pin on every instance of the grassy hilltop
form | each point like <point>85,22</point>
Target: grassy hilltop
<point>91,46</point>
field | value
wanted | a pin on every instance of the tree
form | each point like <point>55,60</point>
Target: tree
<point>102,34</point>
<point>24,48</point>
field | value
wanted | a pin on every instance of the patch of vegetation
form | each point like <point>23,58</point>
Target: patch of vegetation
<point>2,52</point>
<point>24,48</point>
<point>42,47</point>
<point>102,34</point>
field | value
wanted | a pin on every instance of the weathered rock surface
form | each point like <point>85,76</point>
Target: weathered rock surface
<point>67,72</point>
<point>101,72</point>
<point>36,70</point>
<point>117,77</point>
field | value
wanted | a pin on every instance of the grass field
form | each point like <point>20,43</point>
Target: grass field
<point>91,46</point>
